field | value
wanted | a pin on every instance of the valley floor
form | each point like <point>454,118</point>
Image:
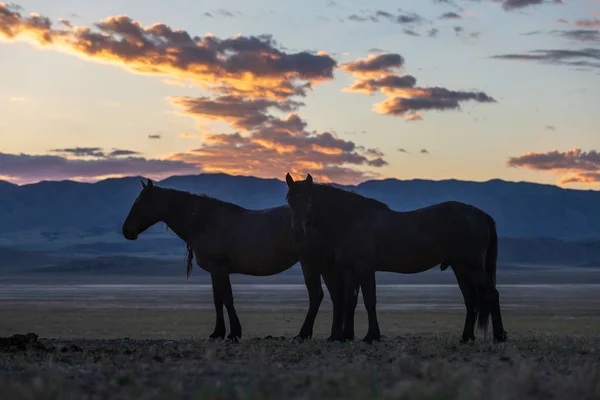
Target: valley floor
<point>149,342</point>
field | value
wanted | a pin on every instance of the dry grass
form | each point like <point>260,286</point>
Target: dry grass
<point>553,352</point>
<point>530,366</point>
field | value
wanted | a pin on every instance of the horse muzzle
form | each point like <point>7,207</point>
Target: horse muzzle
<point>129,235</point>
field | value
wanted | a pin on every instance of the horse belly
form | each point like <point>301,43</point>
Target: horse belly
<point>261,261</point>
<point>408,257</point>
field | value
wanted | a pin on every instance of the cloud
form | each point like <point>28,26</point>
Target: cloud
<point>14,7</point>
<point>424,151</point>
<point>450,15</point>
<point>581,177</point>
<point>96,152</point>
<point>249,65</point>
<point>402,150</point>
<point>410,32</point>
<point>430,99</point>
<point>404,97</point>
<point>375,64</point>
<point>581,35</point>
<point>120,153</point>
<point>588,23</point>
<point>81,151</point>
<point>516,4</point>
<point>433,32</point>
<point>249,77</point>
<point>507,5</point>
<point>387,84</point>
<point>413,117</point>
<point>66,23</point>
<point>26,168</point>
<point>581,166</point>
<point>240,112</point>
<point>187,135</point>
<point>550,127</point>
<point>588,57</point>
<point>458,30</point>
<point>225,13</point>
<point>378,16</point>
<point>155,137</point>
<point>284,145</point>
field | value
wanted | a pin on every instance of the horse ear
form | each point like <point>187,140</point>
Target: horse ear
<point>309,179</point>
<point>150,184</point>
<point>144,186</point>
<point>289,180</point>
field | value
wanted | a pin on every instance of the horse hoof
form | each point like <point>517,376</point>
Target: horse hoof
<point>301,338</point>
<point>216,336</point>
<point>501,337</point>
<point>233,338</point>
<point>371,338</point>
<point>467,340</point>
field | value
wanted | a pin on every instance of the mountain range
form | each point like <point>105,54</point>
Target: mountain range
<point>537,223</point>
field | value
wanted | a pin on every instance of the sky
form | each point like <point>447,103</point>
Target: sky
<point>344,90</point>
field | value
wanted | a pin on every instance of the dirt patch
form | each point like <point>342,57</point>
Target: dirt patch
<point>529,366</point>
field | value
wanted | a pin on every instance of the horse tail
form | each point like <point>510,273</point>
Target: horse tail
<point>189,258</point>
<point>490,270</point>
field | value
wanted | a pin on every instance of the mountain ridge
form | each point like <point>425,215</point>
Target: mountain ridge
<point>70,212</point>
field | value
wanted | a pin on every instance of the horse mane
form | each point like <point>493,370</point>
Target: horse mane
<point>349,198</point>
<point>189,258</point>
<point>209,204</point>
<point>210,201</point>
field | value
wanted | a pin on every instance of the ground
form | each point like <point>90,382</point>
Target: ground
<point>149,342</point>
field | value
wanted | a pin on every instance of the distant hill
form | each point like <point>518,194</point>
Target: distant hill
<point>535,221</point>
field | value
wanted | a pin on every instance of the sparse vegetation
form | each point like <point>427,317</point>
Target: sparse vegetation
<point>142,347</point>
<point>530,366</point>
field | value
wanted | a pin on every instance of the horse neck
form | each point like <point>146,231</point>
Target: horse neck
<point>333,215</point>
<point>190,215</point>
<point>183,215</point>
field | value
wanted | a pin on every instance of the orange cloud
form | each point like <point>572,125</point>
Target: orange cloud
<point>582,166</point>
<point>375,64</point>
<point>250,77</point>
<point>413,117</point>
<point>284,144</point>
<point>240,112</point>
<point>374,74</point>
<point>582,177</point>
<point>251,66</point>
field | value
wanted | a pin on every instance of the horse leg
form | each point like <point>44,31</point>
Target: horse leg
<point>312,279</point>
<point>335,285</point>
<point>369,291</point>
<point>234,322</point>
<point>470,298</point>
<point>217,285</point>
<point>489,294</point>
<point>350,299</point>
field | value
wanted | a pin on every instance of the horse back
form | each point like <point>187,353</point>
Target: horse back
<point>446,232</point>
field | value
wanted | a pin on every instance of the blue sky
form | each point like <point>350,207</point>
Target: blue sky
<point>544,119</point>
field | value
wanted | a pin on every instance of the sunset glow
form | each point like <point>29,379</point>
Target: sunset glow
<point>159,93</point>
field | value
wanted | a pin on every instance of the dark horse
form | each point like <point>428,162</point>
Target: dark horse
<point>368,236</point>
<point>229,239</point>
